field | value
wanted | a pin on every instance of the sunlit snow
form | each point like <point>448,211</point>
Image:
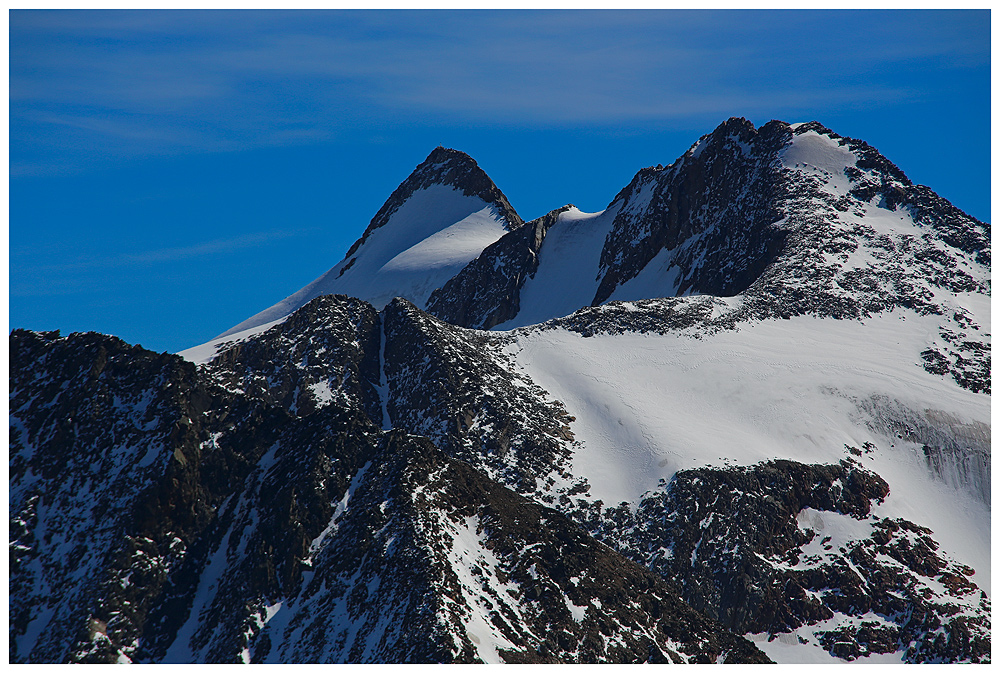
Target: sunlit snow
<point>570,251</point>
<point>429,239</point>
<point>648,405</point>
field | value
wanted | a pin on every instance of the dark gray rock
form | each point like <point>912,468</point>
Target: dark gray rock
<point>327,352</point>
<point>456,387</point>
<point>742,547</point>
<point>431,561</point>
<point>487,291</point>
<point>119,459</point>
<point>720,199</point>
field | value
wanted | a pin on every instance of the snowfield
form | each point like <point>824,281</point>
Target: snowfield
<point>648,405</point>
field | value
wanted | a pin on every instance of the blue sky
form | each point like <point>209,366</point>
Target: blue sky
<point>174,172</point>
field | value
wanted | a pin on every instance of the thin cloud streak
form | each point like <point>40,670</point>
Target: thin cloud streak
<point>174,254</point>
<point>163,82</point>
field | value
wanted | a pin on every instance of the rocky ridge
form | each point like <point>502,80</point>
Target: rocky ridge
<point>327,352</point>
<point>456,387</point>
<point>406,369</point>
<point>115,472</point>
<point>322,515</point>
<point>715,207</point>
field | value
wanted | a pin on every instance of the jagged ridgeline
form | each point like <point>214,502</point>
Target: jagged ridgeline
<point>740,415</point>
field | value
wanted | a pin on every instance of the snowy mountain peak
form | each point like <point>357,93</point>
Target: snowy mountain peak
<point>791,219</point>
<point>446,167</point>
<point>438,220</point>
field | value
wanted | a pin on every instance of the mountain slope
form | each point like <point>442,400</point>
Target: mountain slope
<point>439,219</point>
<point>224,592</point>
<point>817,391</point>
<point>119,458</point>
<point>244,533</point>
<point>482,574</point>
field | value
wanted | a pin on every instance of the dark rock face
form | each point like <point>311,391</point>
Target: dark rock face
<point>740,222</point>
<point>755,512</point>
<point>487,292</point>
<point>449,167</point>
<point>962,355</point>
<point>327,352</point>
<point>457,388</point>
<point>747,546</point>
<point>369,589</point>
<point>259,543</point>
<point>119,457</point>
<point>452,385</point>
<point>428,563</point>
<point>718,201</point>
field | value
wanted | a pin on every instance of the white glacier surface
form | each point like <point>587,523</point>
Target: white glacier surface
<point>648,405</point>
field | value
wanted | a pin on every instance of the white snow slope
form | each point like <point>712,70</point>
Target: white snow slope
<point>568,260</point>
<point>429,239</point>
<point>648,405</point>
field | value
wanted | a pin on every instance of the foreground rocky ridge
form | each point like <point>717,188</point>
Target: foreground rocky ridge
<point>275,524</point>
<point>256,535</point>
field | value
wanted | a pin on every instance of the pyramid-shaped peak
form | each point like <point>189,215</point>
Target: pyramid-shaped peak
<point>438,220</point>
<point>447,166</point>
<point>451,168</point>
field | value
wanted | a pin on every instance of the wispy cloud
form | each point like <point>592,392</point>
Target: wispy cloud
<point>168,81</point>
<point>173,254</point>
